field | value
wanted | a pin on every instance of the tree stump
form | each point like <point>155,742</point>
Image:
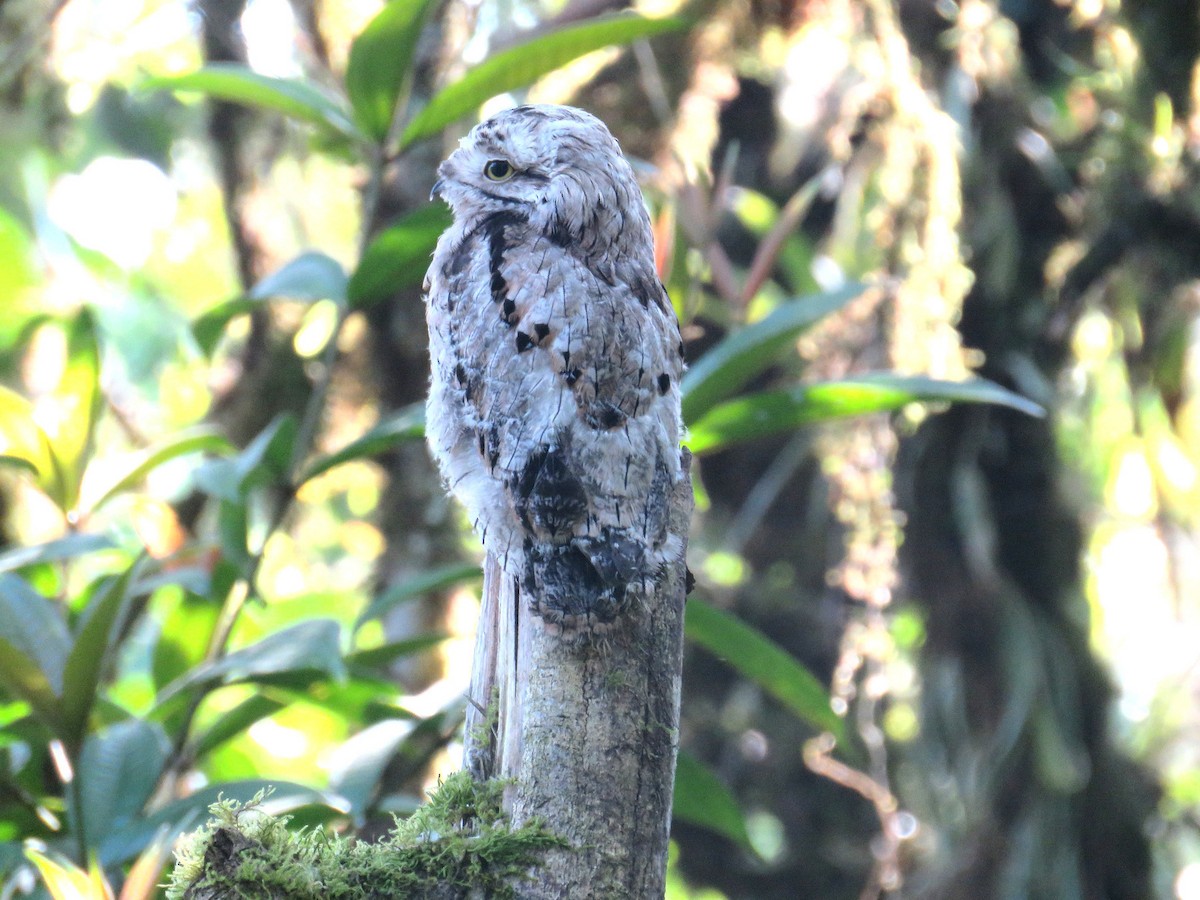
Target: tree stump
<point>588,734</point>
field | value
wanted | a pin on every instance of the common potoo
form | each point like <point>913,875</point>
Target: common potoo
<point>554,406</point>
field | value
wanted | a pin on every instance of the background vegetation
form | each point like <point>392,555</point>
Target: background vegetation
<point>935,652</point>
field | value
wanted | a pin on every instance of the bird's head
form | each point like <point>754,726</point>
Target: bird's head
<point>556,166</point>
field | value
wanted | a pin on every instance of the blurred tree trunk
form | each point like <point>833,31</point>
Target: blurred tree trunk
<point>994,544</point>
<point>416,516</point>
<point>244,144</point>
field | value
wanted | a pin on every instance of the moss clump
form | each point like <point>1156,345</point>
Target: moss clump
<point>459,843</point>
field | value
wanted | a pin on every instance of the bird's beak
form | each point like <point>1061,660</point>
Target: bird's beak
<point>437,189</point>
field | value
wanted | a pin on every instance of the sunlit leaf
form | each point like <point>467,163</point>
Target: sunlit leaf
<point>417,586</point>
<point>90,653</point>
<point>265,460</point>
<point>771,412</point>
<point>309,651</point>
<point>398,256</point>
<point>360,699</point>
<point>210,325</point>
<point>18,256</point>
<point>141,883</point>
<point>118,769</point>
<point>186,632</point>
<point>701,799</point>
<point>761,660</point>
<point>149,460</point>
<point>380,657</point>
<point>79,403</point>
<point>407,424</point>
<point>524,64</point>
<point>124,843</point>
<point>22,438</point>
<point>69,547</point>
<point>233,722</point>
<point>235,83</point>
<point>381,64</point>
<point>310,276</point>
<point>66,881</point>
<point>728,366</point>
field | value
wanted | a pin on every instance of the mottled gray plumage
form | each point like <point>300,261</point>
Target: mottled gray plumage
<point>554,406</point>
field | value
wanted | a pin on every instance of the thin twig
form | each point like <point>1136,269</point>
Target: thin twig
<point>766,490</point>
<point>652,82</point>
<point>772,245</point>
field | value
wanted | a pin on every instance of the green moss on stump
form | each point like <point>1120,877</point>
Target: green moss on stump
<point>458,844</point>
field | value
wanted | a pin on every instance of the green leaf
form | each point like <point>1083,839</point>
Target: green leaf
<point>417,586</point>
<point>771,412</point>
<point>264,461</point>
<point>187,630</point>
<point>357,766</point>
<point>23,677</point>
<point>701,799</point>
<point>117,771</point>
<point>35,631</point>
<point>69,547</point>
<point>310,276</point>
<point>234,721</point>
<point>233,524</point>
<point>90,654</point>
<point>407,424</point>
<point>18,266</point>
<point>368,661</point>
<point>126,842</point>
<point>379,72</point>
<point>195,576</point>
<point>309,651</point>
<point>238,84</point>
<point>728,366</point>
<point>397,746</point>
<point>17,462</point>
<point>33,649</point>
<point>526,63</point>
<point>398,256</point>
<point>149,460</point>
<point>210,325</point>
<point>763,661</point>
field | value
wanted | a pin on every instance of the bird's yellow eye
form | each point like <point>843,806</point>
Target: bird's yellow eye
<point>498,170</point>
